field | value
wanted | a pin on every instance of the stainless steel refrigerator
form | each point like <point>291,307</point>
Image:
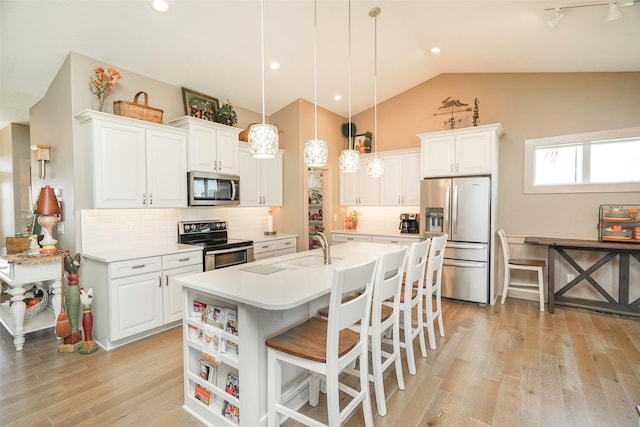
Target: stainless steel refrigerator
<point>460,207</point>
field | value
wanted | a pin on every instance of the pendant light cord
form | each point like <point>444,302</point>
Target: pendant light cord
<point>315,68</point>
<point>350,125</point>
<point>262,62</point>
<point>375,86</point>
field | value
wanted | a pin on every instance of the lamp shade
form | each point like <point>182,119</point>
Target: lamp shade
<point>349,161</point>
<point>47,203</point>
<point>316,153</point>
<point>263,141</point>
<point>375,167</point>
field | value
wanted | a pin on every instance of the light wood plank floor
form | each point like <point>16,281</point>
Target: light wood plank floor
<point>498,366</point>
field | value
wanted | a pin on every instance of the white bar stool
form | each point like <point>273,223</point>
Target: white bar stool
<point>433,287</point>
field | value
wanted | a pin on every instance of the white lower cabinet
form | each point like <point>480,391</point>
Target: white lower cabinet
<point>276,247</point>
<point>137,297</point>
<point>406,241</point>
<point>349,237</point>
<point>337,237</point>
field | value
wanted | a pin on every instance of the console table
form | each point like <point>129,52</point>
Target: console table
<point>625,251</point>
<point>19,270</point>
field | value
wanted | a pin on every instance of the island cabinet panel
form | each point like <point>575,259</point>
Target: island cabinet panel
<point>254,326</point>
<point>459,152</point>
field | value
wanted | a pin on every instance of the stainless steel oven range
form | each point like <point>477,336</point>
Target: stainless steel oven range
<point>219,250</point>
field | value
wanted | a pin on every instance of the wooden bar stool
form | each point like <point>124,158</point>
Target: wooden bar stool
<point>326,347</point>
<point>433,288</point>
<point>536,265</point>
<point>411,299</point>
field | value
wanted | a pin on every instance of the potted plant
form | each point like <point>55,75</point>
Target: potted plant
<point>345,131</point>
<point>227,115</point>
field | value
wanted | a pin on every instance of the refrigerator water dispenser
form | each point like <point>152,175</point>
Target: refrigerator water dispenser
<point>434,220</point>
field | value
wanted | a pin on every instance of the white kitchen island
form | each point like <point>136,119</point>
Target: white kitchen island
<point>269,297</point>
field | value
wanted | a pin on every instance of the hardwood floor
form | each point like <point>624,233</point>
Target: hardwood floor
<point>497,366</point>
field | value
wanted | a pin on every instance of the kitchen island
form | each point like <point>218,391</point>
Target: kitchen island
<point>267,297</point>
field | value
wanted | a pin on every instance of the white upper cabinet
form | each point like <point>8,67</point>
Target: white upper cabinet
<point>466,151</point>
<point>131,163</point>
<point>400,185</point>
<point>260,179</point>
<point>211,147</point>
<point>357,188</point>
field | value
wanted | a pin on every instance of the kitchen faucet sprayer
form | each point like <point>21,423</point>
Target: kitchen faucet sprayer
<point>324,244</point>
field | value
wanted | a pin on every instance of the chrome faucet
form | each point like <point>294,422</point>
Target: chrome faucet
<point>324,244</point>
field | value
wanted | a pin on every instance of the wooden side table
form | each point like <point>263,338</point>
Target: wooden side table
<point>20,270</point>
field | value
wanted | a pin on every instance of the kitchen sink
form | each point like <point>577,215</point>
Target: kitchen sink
<point>305,261</point>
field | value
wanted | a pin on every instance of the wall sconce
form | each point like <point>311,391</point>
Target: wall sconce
<point>41,154</point>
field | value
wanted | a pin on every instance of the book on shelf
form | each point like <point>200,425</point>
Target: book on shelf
<point>204,395</point>
<point>231,317</point>
<point>232,386</point>
<point>194,333</point>
<point>215,316</point>
<point>201,308</point>
<point>207,371</point>
<point>212,343</point>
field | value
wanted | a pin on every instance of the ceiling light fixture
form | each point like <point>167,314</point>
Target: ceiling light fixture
<point>263,138</point>
<point>337,98</point>
<point>160,5</point>
<point>436,50</point>
<point>614,11</point>
<point>275,65</point>
<point>349,159</point>
<point>557,16</point>
<point>316,151</point>
<point>375,166</point>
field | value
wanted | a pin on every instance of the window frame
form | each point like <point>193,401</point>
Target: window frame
<point>600,136</point>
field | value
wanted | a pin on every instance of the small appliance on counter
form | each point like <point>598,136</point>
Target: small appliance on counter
<point>409,223</point>
<point>619,223</point>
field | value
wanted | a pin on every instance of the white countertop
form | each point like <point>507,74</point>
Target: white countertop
<point>257,238</point>
<point>133,252</point>
<point>283,289</point>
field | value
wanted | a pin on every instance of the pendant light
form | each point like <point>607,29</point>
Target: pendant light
<point>316,151</point>
<point>349,159</point>
<point>375,166</point>
<point>263,138</point>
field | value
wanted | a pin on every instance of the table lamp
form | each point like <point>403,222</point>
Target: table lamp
<point>47,207</point>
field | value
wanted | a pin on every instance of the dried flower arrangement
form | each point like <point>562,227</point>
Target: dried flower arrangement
<point>102,83</point>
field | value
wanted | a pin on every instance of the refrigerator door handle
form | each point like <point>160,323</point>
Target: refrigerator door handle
<point>454,210</point>
<point>466,245</point>
<point>447,202</point>
<point>465,264</point>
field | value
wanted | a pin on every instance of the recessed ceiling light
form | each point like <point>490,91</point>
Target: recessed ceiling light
<point>435,50</point>
<point>160,5</point>
<point>337,97</point>
<point>275,65</point>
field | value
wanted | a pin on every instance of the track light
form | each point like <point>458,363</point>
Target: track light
<point>614,12</point>
<point>557,16</point>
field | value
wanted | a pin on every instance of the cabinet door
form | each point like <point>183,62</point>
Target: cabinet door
<point>227,152</point>
<point>250,185</point>
<point>438,156</point>
<point>369,188</point>
<point>410,175</point>
<point>271,171</point>
<point>349,188</point>
<point>136,304</point>
<point>202,149</point>
<point>119,165</point>
<point>172,291</point>
<point>473,153</point>
<point>166,170</point>
<point>391,182</point>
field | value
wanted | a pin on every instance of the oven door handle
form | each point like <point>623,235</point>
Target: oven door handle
<point>225,251</point>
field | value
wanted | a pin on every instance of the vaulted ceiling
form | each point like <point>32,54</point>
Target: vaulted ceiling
<point>214,46</point>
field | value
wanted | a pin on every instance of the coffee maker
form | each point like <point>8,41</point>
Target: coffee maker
<point>409,223</point>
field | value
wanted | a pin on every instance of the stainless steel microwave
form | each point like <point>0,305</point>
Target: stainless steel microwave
<point>213,189</point>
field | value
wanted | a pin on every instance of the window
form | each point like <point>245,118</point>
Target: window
<point>606,161</point>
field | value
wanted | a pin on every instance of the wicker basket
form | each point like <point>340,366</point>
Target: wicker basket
<point>39,307</point>
<point>138,111</point>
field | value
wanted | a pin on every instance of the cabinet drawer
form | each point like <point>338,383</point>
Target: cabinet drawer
<point>287,251</point>
<point>135,266</point>
<point>286,243</point>
<point>406,241</point>
<point>181,259</point>
<point>260,247</point>
<point>343,238</point>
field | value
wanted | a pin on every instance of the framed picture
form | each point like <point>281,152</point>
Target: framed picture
<point>200,105</point>
<point>362,144</point>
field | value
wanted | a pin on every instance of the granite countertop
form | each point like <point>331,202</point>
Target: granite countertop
<point>27,258</point>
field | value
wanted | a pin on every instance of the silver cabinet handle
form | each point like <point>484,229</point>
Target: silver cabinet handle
<point>144,199</point>
<point>159,281</point>
<point>150,198</point>
<point>135,267</point>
